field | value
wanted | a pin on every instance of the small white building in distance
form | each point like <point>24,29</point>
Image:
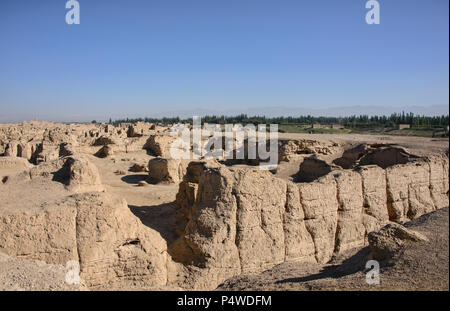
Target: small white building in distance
<point>404,126</point>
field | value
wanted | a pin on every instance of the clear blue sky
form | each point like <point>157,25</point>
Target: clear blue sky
<point>132,58</point>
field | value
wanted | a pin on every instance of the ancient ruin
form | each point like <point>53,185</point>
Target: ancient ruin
<point>73,192</point>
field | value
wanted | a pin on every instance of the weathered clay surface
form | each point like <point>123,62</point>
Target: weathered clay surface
<point>94,228</point>
<point>19,274</point>
<point>231,213</point>
<point>116,246</point>
<point>14,162</point>
<point>350,229</point>
<point>229,220</point>
<point>289,149</point>
<point>98,231</point>
<point>105,151</point>
<point>383,155</point>
<point>48,235</point>
<point>163,170</point>
<point>390,239</point>
<point>159,145</point>
<point>375,212</point>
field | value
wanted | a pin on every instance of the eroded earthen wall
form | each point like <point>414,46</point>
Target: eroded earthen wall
<point>246,220</point>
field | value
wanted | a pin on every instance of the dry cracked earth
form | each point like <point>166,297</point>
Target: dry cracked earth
<point>112,202</point>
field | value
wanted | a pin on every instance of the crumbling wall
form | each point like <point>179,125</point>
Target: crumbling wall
<point>84,224</point>
<point>439,183</point>
<point>375,211</point>
<point>408,191</point>
<point>319,202</point>
<point>299,244</point>
<point>232,220</point>
<point>383,155</point>
<point>259,219</point>
<point>163,170</point>
<point>114,246</point>
<point>105,151</point>
<point>246,220</point>
<point>100,232</point>
<point>8,162</point>
<point>311,169</point>
<point>289,149</point>
<point>350,227</point>
<point>159,145</point>
<point>207,246</point>
<point>49,235</point>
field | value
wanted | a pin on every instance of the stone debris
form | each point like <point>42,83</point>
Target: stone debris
<point>390,239</point>
<point>142,183</point>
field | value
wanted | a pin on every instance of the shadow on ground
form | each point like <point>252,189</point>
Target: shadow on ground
<point>352,265</point>
<point>134,179</point>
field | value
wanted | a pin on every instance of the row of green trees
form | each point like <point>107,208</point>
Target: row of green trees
<point>416,121</point>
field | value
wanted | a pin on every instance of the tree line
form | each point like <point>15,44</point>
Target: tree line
<point>393,120</point>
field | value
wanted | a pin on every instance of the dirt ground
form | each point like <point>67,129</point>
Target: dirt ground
<point>17,274</point>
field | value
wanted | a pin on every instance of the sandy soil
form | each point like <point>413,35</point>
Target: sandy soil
<point>25,275</point>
